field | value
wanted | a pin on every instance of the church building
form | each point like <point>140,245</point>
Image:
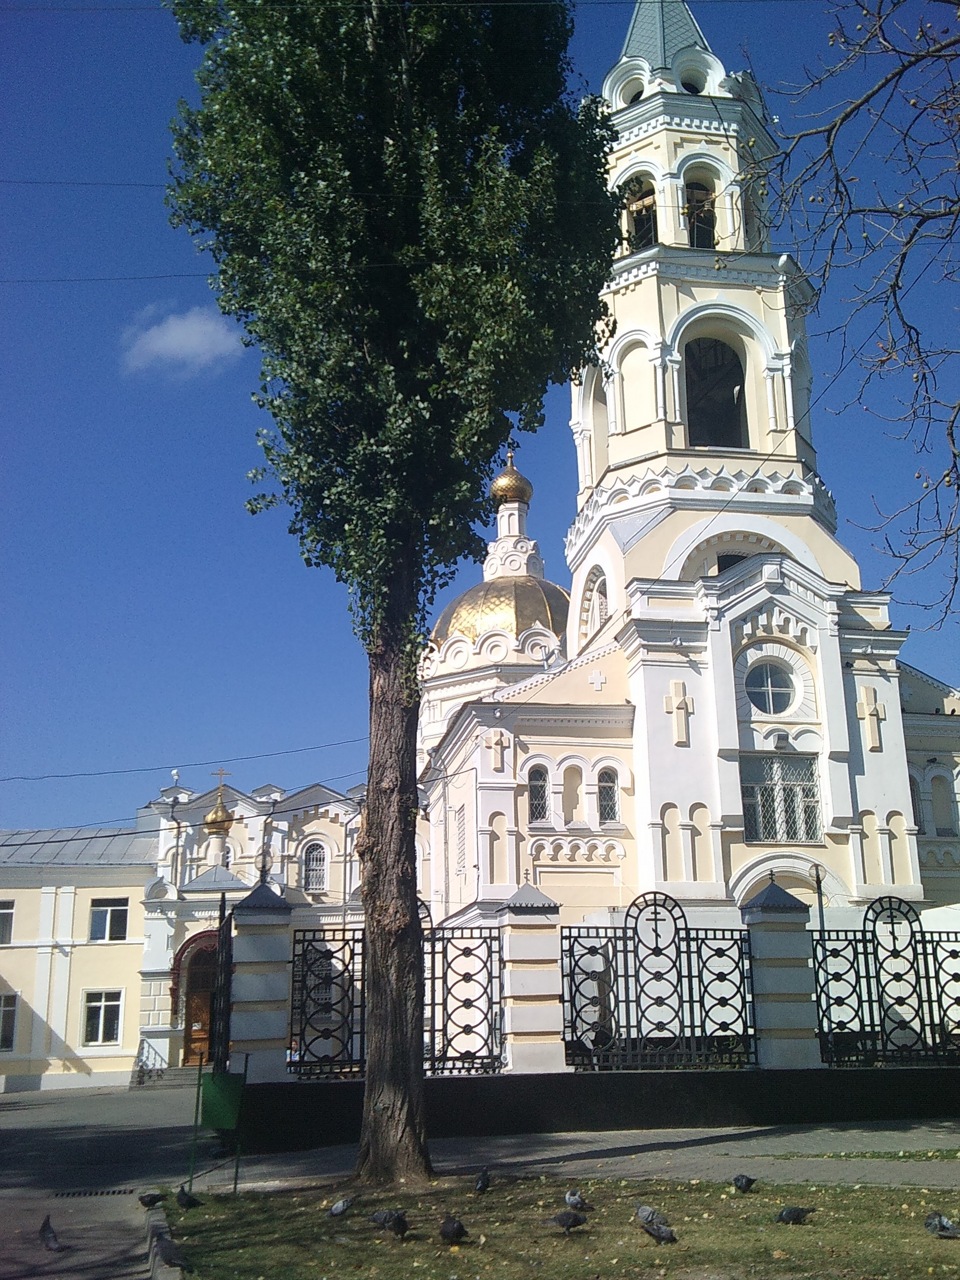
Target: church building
<point>711,698</point>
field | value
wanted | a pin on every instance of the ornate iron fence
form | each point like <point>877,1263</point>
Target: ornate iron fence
<point>888,992</point>
<point>462,1002</point>
<point>655,993</point>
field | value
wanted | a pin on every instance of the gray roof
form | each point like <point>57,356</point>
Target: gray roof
<point>78,846</point>
<point>214,880</point>
<point>659,29</point>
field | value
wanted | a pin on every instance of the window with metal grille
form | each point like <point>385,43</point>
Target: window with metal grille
<point>537,787</point>
<point>101,1021</point>
<point>315,868</point>
<point>781,799</point>
<point>608,796</point>
<point>8,1022</point>
<point>6,922</point>
<point>108,919</point>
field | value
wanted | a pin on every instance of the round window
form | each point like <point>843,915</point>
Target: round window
<point>770,688</point>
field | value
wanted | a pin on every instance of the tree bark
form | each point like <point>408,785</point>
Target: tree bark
<point>393,1135</point>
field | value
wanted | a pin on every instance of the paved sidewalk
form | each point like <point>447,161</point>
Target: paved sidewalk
<point>60,1151</point>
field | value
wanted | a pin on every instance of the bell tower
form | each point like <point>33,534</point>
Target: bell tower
<point>698,415</point>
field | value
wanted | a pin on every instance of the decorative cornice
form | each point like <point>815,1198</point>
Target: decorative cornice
<point>706,488</point>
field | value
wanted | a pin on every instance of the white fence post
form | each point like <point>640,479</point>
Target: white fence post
<point>260,990</point>
<point>532,983</point>
<point>785,1011</point>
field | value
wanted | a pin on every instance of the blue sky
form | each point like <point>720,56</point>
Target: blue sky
<point>149,621</point>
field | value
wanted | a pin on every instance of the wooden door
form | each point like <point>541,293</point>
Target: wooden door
<point>198,1010</point>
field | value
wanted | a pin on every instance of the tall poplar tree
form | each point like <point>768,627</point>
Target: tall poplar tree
<point>409,215</point>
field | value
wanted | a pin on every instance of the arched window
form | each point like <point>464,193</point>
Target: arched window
<point>916,804</point>
<point>716,408</point>
<point>944,807</point>
<point>227,857</point>
<point>537,791</point>
<point>608,796</point>
<point>701,216</point>
<point>314,868</point>
<point>641,215</point>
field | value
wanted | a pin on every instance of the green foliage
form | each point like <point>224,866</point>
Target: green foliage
<point>410,218</point>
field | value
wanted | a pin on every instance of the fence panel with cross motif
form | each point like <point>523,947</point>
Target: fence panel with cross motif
<point>655,993</point>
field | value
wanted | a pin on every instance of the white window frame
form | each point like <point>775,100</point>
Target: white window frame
<point>543,781</point>
<point>308,887</point>
<point>7,908</point>
<point>108,906</point>
<point>777,801</point>
<point>9,1004</point>
<point>607,780</point>
<point>103,992</point>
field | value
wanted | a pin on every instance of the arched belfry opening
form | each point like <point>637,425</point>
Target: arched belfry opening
<point>641,206</point>
<point>716,395</point>
<point>700,213</point>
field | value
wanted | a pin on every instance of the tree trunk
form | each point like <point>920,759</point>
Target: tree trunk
<point>393,1135</point>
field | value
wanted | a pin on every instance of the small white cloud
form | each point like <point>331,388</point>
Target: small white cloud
<point>184,343</point>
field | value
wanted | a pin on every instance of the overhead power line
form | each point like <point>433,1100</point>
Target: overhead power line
<point>194,764</point>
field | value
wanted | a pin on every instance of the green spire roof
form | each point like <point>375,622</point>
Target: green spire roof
<point>659,29</point>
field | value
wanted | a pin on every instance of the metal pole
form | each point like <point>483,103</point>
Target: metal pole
<point>196,1123</point>
<point>818,881</point>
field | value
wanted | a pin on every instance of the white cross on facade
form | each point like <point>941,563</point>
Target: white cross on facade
<point>871,712</point>
<point>678,705</point>
<point>597,679</point>
<point>497,743</point>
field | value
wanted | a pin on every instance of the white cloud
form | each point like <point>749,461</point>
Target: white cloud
<point>183,343</point>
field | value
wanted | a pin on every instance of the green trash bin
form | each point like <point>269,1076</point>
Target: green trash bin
<point>221,1095</point>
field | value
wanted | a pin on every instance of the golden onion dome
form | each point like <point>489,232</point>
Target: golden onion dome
<point>510,604</point>
<point>219,818</point>
<point>510,485</point>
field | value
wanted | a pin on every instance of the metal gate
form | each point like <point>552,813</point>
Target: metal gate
<point>462,1002</point>
<point>888,992</point>
<point>655,993</point>
<point>220,1005</point>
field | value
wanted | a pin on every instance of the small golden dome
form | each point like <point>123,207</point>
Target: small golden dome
<point>219,819</point>
<point>505,604</point>
<point>510,485</point>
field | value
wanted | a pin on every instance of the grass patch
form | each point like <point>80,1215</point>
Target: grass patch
<point>951,1153</point>
<point>858,1233</point>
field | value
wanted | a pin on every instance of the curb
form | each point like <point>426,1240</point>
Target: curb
<point>157,1225</point>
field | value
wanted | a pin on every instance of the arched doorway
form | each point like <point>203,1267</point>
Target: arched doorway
<point>198,1005</point>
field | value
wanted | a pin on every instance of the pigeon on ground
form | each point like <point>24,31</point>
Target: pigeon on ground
<point>48,1237</point>
<point>940,1225</point>
<point>187,1201</point>
<point>483,1181</point>
<point>742,1182</point>
<point>575,1200</point>
<point>169,1251</point>
<point>150,1199</point>
<point>452,1230</point>
<point>661,1233</point>
<point>566,1219</point>
<point>394,1220</point>
<point>651,1217</point>
<point>794,1216</point>
<point>340,1208</point>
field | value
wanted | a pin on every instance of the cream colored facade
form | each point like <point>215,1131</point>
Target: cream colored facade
<point>88,991</point>
<point>723,699</point>
<point>713,696</point>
